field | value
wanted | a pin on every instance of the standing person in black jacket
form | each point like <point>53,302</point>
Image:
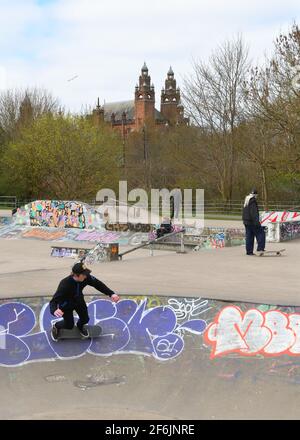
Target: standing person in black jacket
<point>252,224</point>
<point>69,298</point>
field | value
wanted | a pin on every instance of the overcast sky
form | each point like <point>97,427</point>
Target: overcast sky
<point>104,43</point>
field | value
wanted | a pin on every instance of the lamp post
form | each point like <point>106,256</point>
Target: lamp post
<point>146,161</point>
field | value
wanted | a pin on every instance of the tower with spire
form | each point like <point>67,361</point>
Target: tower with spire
<point>26,111</point>
<point>144,99</point>
<point>171,106</point>
<point>133,115</point>
<point>98,114</point>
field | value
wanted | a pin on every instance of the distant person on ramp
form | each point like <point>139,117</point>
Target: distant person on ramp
<point>165,228</point>
<point>252,224</point>
<point>69,298</point>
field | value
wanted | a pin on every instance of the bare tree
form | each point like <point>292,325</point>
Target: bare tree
<point>273,111</point>
<point>19,107</point>
<point>213,96</point>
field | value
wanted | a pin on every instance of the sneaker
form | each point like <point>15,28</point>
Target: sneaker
<point>84,333</point>
<point>54,333</point>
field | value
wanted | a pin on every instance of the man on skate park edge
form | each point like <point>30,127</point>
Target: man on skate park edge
<point>69,298</point>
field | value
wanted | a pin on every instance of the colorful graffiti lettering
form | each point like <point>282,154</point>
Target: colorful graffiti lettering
<point>43,234</point>
<point>103,237</point>
<point>215,241</point>
<point>279,216</point>
<point>124,227</point>
<point>68,252</point>
<point>128,327</point>
<point>254,332</point>
<point>57,214</point>
<point>53,234</point>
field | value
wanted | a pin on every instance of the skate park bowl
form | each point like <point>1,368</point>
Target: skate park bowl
<point>160,357</point>
<point>205,335</point>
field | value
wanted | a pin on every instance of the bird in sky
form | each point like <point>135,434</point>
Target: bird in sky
<point>72,79</point>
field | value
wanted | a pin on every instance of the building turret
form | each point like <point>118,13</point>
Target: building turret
<point>144,99</point>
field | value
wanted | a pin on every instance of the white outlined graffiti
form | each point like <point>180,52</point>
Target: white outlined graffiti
<point>270,333</point>
<point>188,308</point>
<point>128,327</point>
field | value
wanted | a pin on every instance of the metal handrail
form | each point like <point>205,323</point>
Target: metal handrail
<point>148,243</point>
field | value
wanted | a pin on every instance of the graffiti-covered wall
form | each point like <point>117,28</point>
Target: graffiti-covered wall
<point>155,326</point>
<point>4,221</point>
<point>279,216</point>
<point>289,230</point>
<point>58,214</point>
<point>139,326</point>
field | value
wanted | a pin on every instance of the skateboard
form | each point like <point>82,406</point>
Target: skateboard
<point>94,331</point>
<point>270,253</point>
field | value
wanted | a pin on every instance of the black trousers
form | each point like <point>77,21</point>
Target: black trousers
<point>255,232</point>
<point>160,232</point>
<point>68,318</point>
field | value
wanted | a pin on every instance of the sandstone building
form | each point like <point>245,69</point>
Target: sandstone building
<point>127,116</point>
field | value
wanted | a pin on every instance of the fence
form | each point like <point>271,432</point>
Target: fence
<point>8,202</point>
<point>212,208</point>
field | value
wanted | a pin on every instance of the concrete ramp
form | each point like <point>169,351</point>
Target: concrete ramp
<point>159,358</point>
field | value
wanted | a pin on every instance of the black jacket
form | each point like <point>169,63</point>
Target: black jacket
<point>69,292</point>
<point>251,213</point>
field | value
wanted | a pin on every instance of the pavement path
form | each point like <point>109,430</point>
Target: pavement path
<point>26,268</point>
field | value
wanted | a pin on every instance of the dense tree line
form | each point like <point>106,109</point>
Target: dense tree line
<point>244,131</point>
<point>245,127</point>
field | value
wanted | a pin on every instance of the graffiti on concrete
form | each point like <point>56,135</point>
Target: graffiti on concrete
<point>96,236</point>
<point>43,234</point>
<point>159,327</point>
<point>215,241</point>
<point>124,238</point>
<point>128,327</point>
<point>124,227</point>
<point>57,214</point>
<point>188,308</point>
<point>4,221</point>
<point>68,252</point>
<point>77,235</point>
<point>11,232</point>
<point>254,332</point>
<point>279,216</point>
<point>289,230</point>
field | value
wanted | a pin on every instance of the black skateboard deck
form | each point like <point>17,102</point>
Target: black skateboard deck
<point>277,253</point>
<point>94,331</point>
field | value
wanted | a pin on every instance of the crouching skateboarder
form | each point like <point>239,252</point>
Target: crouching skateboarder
<point>69,298</point>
